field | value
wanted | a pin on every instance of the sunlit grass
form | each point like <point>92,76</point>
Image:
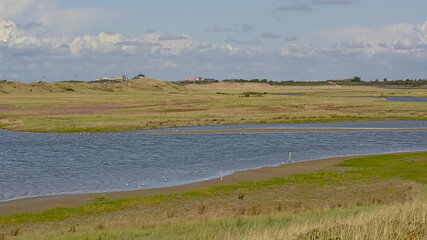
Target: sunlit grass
<point>395,221</point>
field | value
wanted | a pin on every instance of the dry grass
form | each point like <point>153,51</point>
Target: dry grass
<point>406,220</point>
<point>154,104</point>
<point>396,221</point>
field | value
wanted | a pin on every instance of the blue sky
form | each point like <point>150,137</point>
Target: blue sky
<point>302,40</point>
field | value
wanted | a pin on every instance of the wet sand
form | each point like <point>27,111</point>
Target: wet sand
<point>286,130</point>
<point>38,204</point>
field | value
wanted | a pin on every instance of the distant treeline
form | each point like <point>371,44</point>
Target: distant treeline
<point>355,81</point>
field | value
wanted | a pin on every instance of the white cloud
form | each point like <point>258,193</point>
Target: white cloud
<point>69,21</point>
<point>209,49</point>
<point>165,44</point>
<point>12,36</point>
<point>173,37</point>
<point>57,21</point>
<point>229,49</point>
<point>104,42</point>
<point>298,51</point>
<point>393,38</point>
<point>7,30</point>
<point>10,8</point>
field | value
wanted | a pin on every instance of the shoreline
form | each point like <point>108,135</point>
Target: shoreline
<point>285,130</point>
<point>155,130</point>
<point>41,203</point>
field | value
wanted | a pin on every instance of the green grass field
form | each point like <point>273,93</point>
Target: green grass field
<point>148,104</point>
<point>375,197</point>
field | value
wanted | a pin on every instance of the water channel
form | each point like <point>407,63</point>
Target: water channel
<point>34,164</point>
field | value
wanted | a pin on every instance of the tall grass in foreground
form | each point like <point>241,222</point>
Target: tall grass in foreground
<point>394,221</point>
<point>397,221</point>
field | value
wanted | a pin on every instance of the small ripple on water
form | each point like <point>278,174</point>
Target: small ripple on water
<point>182,159</point>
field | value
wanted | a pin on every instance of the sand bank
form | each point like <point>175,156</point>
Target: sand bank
<point>286,130</point>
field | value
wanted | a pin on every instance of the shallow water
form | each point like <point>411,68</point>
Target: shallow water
<point>34,164</point>
<point>406,99</point>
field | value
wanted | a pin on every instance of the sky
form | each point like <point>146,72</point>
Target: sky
<point>170,40</point>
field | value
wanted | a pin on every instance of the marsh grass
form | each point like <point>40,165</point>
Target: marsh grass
<point>406,166</point>
<point>91,109</point>
<point>368,199</point>
<point>393,221</point>
<point>96,198</point>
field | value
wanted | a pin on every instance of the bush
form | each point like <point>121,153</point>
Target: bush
<point>98,198</point>
<point>201,209</point>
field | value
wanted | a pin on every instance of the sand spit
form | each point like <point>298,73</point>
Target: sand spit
<point>286,130</point>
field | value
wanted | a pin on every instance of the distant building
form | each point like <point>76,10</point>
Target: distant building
<point>196,79</point>
<point>140,75</point>
<point>122,77</point>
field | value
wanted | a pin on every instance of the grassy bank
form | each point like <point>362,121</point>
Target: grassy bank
<point>376,197</point>
<point>148,104</point>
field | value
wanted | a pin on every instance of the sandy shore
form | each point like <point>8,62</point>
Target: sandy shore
<point>286,130</point>
<point>38,204</point>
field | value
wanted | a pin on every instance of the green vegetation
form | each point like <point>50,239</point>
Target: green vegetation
<point>69,107</point>
<point>355,81</point>
<point>376,197</point>
<point>406,167</point>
